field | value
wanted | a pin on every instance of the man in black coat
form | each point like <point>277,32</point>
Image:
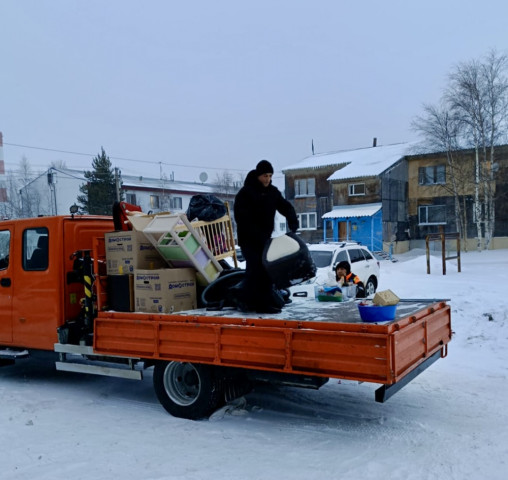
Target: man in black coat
<point>255,207</point>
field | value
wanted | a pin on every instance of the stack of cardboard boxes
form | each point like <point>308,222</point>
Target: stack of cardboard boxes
<point>139,278</point>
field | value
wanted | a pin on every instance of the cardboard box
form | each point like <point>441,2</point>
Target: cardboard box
<point>386,297</point>
<point>121,293</point>
<point>130,250</point>
<point>165,290</point>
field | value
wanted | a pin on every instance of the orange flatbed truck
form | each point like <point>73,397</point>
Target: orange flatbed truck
<point>201,358</point>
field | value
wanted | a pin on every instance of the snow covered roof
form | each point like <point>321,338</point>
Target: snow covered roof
<point>319,160</point>
<point>346,211</point>
<point>369,162</point>
<point>135,181</point>
<point>361,162</point>
<point>156,183</point>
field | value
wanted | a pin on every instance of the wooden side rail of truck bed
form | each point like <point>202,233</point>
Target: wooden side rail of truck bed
<point>378,353</point>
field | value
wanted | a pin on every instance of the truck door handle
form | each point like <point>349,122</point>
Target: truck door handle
<point>5,282</point>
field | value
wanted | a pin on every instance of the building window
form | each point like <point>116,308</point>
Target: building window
<point>308,221</point>
<point>305,187</point>
<point>434,175</point>
<point>432,215</point>
<point>356,189</point>
<point>154,201</point>
<point>175,203</point>
<point>131,198</point>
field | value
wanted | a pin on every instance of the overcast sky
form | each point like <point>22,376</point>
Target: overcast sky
<point>206,86</point>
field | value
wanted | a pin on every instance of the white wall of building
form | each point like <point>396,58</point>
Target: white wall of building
<point>54,196</point>
<point>176,202</point>
<point>64,192</point>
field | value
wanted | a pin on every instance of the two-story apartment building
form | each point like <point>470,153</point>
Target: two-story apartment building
<point>308,189</point>
<point>360,194</point>
<point>389,198</point>
<point>435,188</point>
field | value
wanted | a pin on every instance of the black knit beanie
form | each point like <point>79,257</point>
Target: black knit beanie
<point>264,166</point>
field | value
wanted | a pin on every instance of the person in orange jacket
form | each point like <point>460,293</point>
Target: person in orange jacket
<point>345,276</point>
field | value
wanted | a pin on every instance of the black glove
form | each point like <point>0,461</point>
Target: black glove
<point>294,226</point>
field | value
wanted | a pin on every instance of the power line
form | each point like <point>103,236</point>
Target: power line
<point>122,158</point>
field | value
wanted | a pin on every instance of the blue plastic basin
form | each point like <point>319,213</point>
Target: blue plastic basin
<point>377,313</point>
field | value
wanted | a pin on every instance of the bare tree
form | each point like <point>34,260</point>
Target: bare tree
<point>473,116</point>
<point>226,185</point>
<point>58,164</point>
<point>464,95</point>
<point>22,199</point>
<point>478,94</point>
<point>440,129</point>
<point>496,85</point>
<point>29,197</point>
<point>12,207</point>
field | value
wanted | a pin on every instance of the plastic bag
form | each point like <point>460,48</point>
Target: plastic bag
<point>206,208</point>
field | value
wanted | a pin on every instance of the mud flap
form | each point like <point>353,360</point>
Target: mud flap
<point>384,392</point>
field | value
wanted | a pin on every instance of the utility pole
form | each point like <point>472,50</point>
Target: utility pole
<point>117,183</point>
<point>52,189</point>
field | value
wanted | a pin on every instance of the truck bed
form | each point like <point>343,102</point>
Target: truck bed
<point>309,310</point>
<point>307,338</point>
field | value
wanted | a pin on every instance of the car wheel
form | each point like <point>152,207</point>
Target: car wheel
<point>370,287</point>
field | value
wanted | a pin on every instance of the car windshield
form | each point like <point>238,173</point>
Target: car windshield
<point>321,258</point>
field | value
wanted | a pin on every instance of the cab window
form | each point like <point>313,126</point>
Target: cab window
<point>5,243</point>
<point>35,249</point>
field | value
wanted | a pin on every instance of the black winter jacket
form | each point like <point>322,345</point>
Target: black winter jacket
<point>255,207</point>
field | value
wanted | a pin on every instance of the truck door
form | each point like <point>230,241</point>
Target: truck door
<point>5,283</point>
<point>36,304</point>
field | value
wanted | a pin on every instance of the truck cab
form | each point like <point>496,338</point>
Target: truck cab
<point>38,291</point>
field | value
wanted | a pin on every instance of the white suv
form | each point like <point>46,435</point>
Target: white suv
<point>327,255</point>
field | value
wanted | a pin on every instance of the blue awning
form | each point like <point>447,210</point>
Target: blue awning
<point>349,211</point>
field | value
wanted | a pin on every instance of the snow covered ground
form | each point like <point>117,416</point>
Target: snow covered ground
<point>450,423</point>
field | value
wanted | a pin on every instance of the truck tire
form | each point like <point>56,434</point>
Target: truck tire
<point>187,390</point>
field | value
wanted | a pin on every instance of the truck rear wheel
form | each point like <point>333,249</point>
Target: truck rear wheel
<point>187,390</point>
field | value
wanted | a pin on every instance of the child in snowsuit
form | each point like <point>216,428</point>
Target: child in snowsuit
<point>345,276</point>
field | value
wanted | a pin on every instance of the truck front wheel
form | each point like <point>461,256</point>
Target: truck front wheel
<point>187,390</point>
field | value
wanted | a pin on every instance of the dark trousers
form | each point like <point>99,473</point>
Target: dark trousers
<point>257,286</point>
